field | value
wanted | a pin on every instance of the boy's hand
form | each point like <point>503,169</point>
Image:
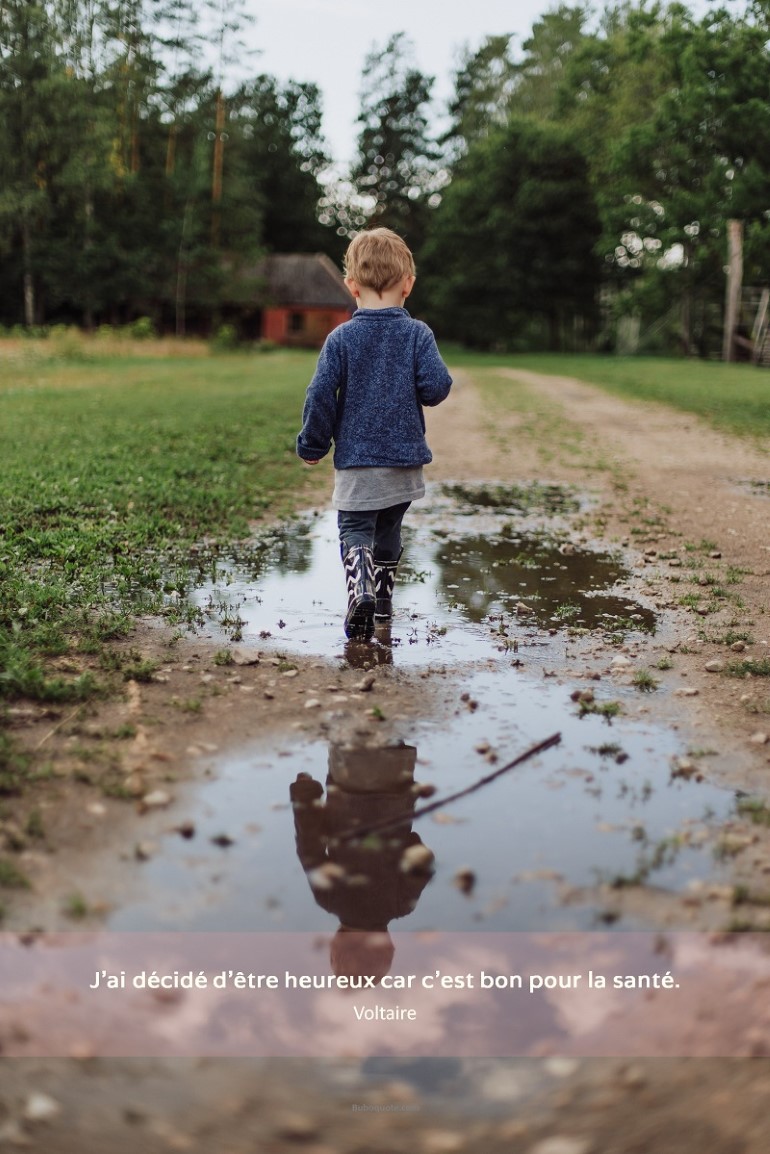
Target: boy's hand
<point>304,462</point>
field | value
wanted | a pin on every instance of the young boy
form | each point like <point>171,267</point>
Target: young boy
<point>374,374</point>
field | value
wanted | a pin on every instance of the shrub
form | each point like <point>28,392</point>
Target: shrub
<point>225,338</point>
<point>143,329</point>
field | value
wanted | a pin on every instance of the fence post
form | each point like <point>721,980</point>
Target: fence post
<point>733,291</point>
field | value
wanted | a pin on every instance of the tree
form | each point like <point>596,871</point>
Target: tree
<point>539,74</point>
<point>27,67</point>
<point>277,130</point>
<point>483,85</point>
<point>698,160</point>
<point>396,168</point>
<point>510,254</point>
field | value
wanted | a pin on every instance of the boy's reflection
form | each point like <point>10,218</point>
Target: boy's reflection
<point>365,883</point>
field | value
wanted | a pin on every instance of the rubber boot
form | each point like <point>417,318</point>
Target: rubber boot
<point>359,575</point>
<point>384,581</point>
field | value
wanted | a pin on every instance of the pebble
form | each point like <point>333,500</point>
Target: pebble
<point>207,677</point>
<point>464,880</point>
<point>134,783</point>
<point>562,1067</point>
<point>619,662</point>
<point>40,1107</point>
<point>246,656</point>
<point>559,1144</point>
<point>223,840</point>
<point>634,1077</point>
<point>144,850</point>
<point>714,666</point>
<point>416,859</point>
<point>157,799</point>
<point>759,739</point>
<point>482,747</point>
<point>366,683</point>
<point>313,703</point>
<point>686,692</point>
<point>268,695</point>
<point>290,672</point>
<point>442,1141</point>
<point>186,829</point>
<point>738,646</point>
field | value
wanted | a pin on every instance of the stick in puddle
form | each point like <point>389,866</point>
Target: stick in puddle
<point>394,823</point>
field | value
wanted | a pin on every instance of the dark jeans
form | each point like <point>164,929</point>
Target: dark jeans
<point>380,529</point>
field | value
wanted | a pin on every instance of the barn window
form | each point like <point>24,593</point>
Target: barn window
<point>296,322</point>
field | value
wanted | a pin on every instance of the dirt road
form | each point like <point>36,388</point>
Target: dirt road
<point>688,509</point>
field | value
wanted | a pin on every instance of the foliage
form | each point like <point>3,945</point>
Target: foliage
<point>510,254</point>
<point>396,164</point>
<point>108,209</point>
<point>670,112</point>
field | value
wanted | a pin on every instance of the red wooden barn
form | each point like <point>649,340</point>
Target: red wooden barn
<point>304,298</point>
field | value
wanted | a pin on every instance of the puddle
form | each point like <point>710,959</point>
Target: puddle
<point>278,840</point>
<point>601,806</point>
<point>757,488</point>
<point>535,497</point>
<point>291,595</point>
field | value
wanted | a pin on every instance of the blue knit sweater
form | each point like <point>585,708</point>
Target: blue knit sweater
<point>374,374</point>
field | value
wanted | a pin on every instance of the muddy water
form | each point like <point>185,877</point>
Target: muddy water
<point>278,841</point>
<point>456,573</point>
<point>569,818</point>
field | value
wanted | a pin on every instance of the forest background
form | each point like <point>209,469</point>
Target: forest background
<point>576,196</point>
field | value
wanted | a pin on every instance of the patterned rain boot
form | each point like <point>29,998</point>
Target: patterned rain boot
<point>384,581</point>
<point>359,575</point>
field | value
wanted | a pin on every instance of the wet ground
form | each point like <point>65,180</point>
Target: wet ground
<point>495,606</point>
<point>456,572</point>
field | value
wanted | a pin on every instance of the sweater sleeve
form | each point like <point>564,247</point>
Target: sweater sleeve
<point>320,410</point>
<point>431,374</point>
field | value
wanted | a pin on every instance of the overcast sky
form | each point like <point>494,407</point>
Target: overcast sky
<point>326,41</point>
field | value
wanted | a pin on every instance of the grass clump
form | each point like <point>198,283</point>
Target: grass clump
<point>755,810</point>
<point>605,709</point>
<point>11,877</point>
<point>753,668</point>
<point>644,681</point>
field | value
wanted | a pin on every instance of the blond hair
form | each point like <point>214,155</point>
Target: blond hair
<point>378,259</point>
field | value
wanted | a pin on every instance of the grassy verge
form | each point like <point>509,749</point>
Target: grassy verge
<point>732,397</point>
<point>114,471</point>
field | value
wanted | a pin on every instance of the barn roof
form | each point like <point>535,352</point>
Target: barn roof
<point>302,280</point>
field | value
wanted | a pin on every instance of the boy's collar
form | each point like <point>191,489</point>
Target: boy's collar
<point>391,310</point>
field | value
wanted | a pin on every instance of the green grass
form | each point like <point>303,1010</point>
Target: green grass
<point>732,397</point>
<point>759,668</point>
<point>113,469</point>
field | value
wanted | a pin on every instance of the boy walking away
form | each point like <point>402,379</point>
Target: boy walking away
<point>374,374</point>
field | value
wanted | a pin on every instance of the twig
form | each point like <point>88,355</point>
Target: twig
<point>58,725</point>
<point>394,823</point>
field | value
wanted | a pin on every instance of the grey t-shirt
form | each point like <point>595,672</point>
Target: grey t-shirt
<point>376,487</point>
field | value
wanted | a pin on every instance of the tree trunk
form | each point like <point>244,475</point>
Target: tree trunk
<point>29,281</point>
<point>216,181</point>
<point>181,275</point>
